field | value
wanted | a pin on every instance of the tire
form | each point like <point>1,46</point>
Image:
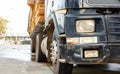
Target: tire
<point>39,56</point>
<point>59,67</point>
<point>33,46</point>
<point>62,68</point>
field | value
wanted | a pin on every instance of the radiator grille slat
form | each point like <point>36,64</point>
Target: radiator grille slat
<point>113,29</point>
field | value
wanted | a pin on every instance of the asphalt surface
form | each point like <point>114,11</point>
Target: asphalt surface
<point>17,59</point>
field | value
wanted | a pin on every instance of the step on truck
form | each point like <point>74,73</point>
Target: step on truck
<point>68,32</point>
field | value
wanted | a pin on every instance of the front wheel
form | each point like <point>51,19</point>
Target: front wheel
<point>59,67</point>
<point>62,68</point>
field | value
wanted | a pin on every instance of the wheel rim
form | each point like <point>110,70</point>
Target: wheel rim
<point>54,51</point>
<point>55,56</point>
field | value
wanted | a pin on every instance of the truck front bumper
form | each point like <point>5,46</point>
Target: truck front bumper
<point>91,53</point>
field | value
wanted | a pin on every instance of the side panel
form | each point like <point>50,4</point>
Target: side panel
<point>54,5</point>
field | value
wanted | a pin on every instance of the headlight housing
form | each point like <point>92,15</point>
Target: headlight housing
<point>84,26</point>
<point>82,40</point>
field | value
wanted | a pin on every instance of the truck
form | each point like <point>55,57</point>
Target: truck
<point>74,32</point>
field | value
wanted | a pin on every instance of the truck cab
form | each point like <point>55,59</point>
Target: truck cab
<point>76,32</point>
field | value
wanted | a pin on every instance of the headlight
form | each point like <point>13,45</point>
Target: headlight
<point>81,40</point>
<point>85,26</point>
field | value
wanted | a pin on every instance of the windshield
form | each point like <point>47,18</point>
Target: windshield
<point>101,3</point>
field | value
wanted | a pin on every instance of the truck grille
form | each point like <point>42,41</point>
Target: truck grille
<point>115,53</point>
<point>113,25</point>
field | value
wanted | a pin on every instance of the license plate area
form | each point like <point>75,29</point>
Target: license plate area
<point>89,54</point>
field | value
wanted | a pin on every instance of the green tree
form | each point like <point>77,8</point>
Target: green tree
<point>3,25</point>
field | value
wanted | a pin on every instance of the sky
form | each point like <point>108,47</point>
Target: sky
<point>16,12</point>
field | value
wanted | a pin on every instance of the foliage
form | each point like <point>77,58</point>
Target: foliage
<point>3,25</point>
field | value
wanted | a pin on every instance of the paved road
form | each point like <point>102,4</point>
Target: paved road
<point>17,59</point>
